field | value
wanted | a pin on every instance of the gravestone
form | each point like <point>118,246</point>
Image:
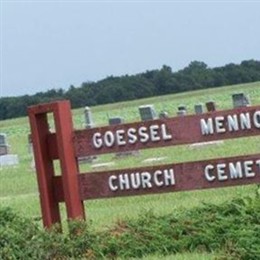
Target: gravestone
<point>9,160</point>
<point>147,112</point>
<point>89,123</point>
<point>4,147</point>
<point>4,150</point>
<point>163,115</point>
<point>181,113</point>
<point>211,106</point>
<point>3,140</point>
<point>30,150</point>
<point>240,100</point>
<point>182,107</point>
<point>198,108</point>
<point>115,120</point>
<point>30,145</point>
<point>6,159</point>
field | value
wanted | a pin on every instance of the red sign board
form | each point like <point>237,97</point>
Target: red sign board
<point>217,173</point>
<point>73,188</point>
<point>168,132</point>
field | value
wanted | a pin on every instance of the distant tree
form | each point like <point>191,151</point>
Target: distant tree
<point>196,75</point>
<point>163,81</point>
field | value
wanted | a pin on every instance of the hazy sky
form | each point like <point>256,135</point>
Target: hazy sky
<point>55,44</point>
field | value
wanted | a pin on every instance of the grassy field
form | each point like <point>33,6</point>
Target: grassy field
<point>18,187</point>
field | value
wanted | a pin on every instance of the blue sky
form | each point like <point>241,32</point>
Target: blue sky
<point>55,44</point>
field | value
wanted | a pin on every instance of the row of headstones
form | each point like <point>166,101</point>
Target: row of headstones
<point>147,112</point>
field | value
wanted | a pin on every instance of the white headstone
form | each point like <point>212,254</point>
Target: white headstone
<point>9,160</point>
<point>89,123</point>
<point>181,113</point>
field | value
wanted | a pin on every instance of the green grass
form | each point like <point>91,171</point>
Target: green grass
<point>18,187</point>
<point>184,256</point>
<point>169,103</point>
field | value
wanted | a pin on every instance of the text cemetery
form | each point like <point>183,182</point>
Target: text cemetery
<point>232,170</point>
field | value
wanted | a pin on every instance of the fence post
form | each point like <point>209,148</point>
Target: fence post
<point>44,167</point>
<point>44,163</point>
<point>68,161</point>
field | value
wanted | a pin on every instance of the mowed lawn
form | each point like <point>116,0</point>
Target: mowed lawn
<point>18,187</point>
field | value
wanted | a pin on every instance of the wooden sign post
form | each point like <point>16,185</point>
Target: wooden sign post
<point>45,165</point>
<point>73,187</point>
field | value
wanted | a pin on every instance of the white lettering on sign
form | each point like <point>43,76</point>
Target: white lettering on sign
<point>122,137</point>
<point>142,180</point>
<point>231,123</point>
<point>236,170</point>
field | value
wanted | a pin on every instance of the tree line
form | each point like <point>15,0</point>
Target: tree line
<point>197,75</point>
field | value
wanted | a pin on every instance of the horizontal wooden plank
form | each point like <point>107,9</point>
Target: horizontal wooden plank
<point>215,173</point>
<point>218,125</point>
<point>171,177</point>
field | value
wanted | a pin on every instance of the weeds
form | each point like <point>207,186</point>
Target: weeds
<point>231,229</point>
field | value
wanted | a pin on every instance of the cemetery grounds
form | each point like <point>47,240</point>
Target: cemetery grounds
<point>18,187</point>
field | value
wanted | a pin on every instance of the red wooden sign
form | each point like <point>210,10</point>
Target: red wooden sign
<point>206,174</point>
<point>73,188</point>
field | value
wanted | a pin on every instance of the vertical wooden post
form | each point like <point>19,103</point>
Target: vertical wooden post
<point>44,163</point>
<point>44,167</point>
<point>68,161</point>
